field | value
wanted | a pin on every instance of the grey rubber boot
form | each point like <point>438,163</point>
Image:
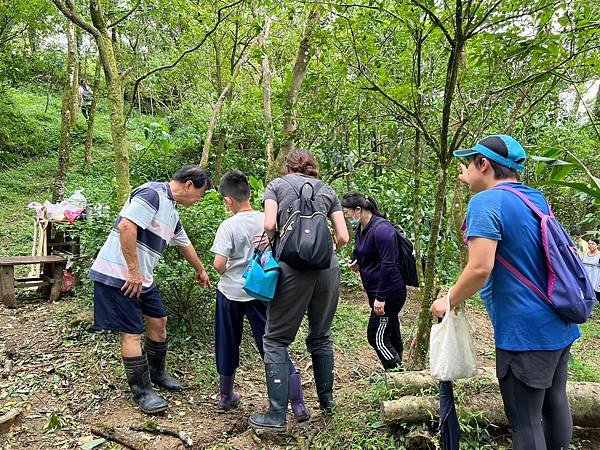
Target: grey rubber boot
<point>138,378</point>
<point>157,355</point>
<point>274,419</point>
<point>323,369</point>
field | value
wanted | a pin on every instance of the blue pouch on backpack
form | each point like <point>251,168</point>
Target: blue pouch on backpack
<point>261,276</point>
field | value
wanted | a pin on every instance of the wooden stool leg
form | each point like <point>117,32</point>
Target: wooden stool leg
<point>7,286</point>
<point>57,275</point>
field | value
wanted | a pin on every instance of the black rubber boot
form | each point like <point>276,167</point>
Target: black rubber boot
<point>138,377</point>
<point>323,369</point>
<point>278,377</point>
<point>157,354</point>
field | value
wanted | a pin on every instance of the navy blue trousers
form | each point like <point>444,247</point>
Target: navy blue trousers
<point>229,326</point>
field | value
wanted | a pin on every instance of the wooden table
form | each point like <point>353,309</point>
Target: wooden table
<point>50,279</point>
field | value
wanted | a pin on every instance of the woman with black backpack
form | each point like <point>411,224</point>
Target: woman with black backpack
<point>376,258</point>
<point>298,207</point>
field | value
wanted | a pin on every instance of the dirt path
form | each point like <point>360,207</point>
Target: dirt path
<point>64,376</point>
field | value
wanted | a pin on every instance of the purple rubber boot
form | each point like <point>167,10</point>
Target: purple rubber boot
<point>229,398</point>
<point>296,398</point>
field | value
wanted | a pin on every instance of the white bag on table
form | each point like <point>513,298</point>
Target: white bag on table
<point>451,350</point>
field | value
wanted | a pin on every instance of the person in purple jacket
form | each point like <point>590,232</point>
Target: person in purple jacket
<point>375,257</point>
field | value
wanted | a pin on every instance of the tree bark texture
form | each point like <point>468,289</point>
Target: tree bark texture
<point>481,399</point>
<point>66,112</point>
<point>114,84</point>
<point>226,91</point>
<point>92,114</point>
<point>266,91</point>
<point>421,347</point>
<point>290,126</point>
<point>219,155</point>
<point>444,153</point>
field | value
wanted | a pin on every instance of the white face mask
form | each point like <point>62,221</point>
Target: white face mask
<point>353,221</point>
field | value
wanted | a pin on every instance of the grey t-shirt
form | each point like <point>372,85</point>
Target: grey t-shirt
<point>284,194</point>
<point>592,266</point>
<point>234,241</point>
<point>285,191</point>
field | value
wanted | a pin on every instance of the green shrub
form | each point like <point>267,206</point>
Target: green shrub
<point>24,136</point>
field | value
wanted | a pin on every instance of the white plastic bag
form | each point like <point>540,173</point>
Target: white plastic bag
<point>451,350</point>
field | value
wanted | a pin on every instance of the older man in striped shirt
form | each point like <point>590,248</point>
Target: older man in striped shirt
<point>124,291</point>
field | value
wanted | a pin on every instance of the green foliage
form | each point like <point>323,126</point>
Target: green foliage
<point>23,135</point>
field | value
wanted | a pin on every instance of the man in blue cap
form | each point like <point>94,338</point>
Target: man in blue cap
<point>532,341</point>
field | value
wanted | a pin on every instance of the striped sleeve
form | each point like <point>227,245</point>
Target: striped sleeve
<point>142,207</point>
<point>180,238</point>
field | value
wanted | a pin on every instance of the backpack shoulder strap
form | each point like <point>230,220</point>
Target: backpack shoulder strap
<point>525,200</point>
<point>293,187</point>
<point>517,273</point>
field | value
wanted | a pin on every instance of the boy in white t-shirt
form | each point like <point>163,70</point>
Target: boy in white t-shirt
<point>233,251</point>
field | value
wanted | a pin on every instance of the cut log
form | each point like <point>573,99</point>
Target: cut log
<point>479,399</point>
<point>115,435</point>
<point>416,382</point>
<point>152,427</point>
<point>9,419</point>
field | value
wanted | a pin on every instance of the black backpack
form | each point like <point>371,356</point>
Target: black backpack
<point>407,263</point>
<point>304,240</point>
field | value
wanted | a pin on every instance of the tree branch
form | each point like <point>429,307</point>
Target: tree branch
<point>69,10</point>
<point>127,14</point>
<point>220,18</point>
<point>436,20</point>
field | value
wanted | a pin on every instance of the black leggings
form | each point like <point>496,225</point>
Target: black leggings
<point>540,418</point>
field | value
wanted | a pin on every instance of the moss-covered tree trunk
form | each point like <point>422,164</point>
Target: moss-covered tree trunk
<point>290,126</point>
<point>222,139</point>
<point>114,86</point>
<point>114,89</point>
<point>65,115</point>
<point>92,114</point>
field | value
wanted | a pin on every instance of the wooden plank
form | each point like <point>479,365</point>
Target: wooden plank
<point>58,276</point>
<point>7,286</point>
<point>19,260</point>
<point>30,283</point>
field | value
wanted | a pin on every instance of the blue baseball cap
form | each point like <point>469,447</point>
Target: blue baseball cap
<point>500,148</point>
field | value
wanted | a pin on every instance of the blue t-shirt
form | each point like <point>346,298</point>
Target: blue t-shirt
<point>522,321</point>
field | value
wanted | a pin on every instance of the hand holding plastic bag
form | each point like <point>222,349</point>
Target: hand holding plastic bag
<point>451,350</point>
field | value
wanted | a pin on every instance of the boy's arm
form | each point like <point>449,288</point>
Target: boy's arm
<point>220,263</point>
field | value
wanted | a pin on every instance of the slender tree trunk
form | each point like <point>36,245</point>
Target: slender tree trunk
<point>227,91</point>
<point>92,113</point>
<point>417,216</point>
<point>266,89</point>
<point>219,155</point>
<point>212,124</point>
<point>74,102</point>
<point>65,115</point>
<point>290,126</point>
<point>514,113</point>
<point>429,290</point>
<point>444,155</point>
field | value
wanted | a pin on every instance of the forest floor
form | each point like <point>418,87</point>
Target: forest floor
<point>66,378</point>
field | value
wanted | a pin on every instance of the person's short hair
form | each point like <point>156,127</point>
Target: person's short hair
<point>500,172</point>
<point>196,174</point>
<point>235,184</point>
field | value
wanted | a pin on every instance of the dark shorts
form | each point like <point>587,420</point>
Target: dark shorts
<point>115,312</point>
<point>535,369</point>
